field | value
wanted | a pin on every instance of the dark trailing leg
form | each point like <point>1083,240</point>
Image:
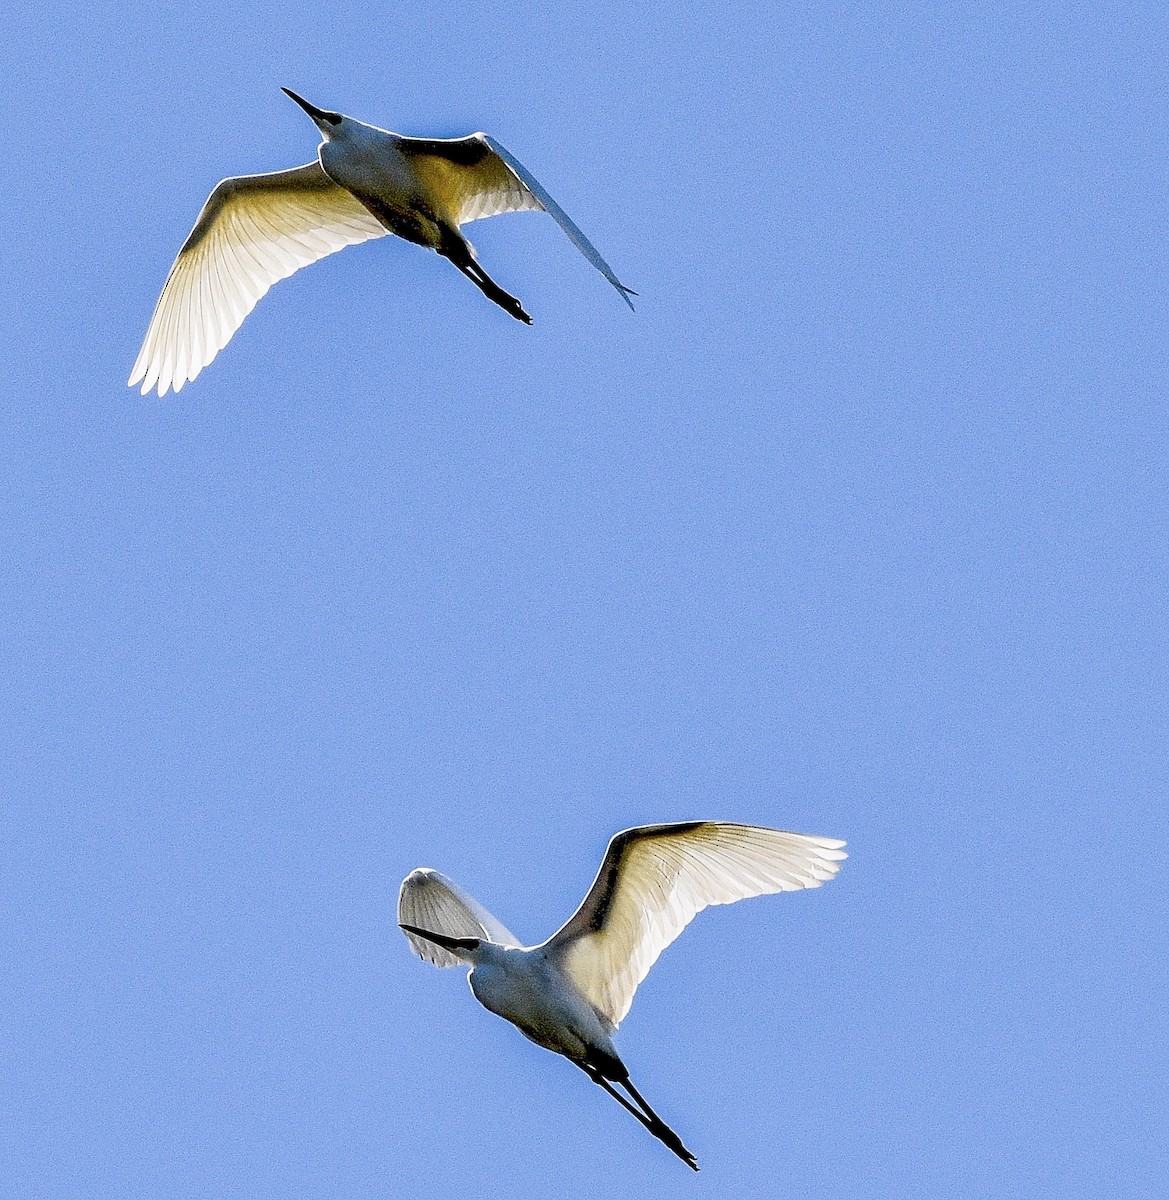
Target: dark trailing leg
<point>659,1128</point>
<point>649,1118</point>
<point>457,250</point>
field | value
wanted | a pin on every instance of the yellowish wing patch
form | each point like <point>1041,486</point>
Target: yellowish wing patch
<point>468,191</point>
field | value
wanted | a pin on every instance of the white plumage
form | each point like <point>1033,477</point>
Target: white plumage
<point>571,992</point>
<point>652,883</point>
<point>257,229</point>
<point>432,901</point>
<point>253,231</point>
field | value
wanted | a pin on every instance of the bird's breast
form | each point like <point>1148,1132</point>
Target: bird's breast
<point>378,175</point>
<point>541,1004</point>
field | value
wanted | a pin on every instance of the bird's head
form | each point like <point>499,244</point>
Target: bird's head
<point>331,124</point>
<point>464,948</point>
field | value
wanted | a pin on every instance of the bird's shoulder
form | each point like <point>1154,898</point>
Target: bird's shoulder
<point>595,908</point>
<point>240,189</point>
<point>467,151</point>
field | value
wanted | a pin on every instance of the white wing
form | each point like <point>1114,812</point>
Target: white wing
<point>429,900</point>
<point>652,882</point>
<point>253,231</point>
<point>476,177</point>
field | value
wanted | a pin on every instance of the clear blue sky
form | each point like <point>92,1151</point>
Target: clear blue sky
<point>857,527</point>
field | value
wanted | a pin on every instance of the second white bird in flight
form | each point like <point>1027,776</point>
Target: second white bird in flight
<point>257,229</point>
<point>571,992</point>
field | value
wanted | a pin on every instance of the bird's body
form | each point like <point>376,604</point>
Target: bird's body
<point>369,164</point>
<point>367,182</point>
<point>525,987</point>
<point>570,993</point>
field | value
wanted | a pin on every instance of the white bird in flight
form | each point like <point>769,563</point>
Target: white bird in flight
<point>571,992</point>
<point>257,229</point>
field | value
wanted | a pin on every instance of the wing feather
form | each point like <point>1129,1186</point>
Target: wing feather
<point>574,232</point>
<point>656,878</point>
<point>253,231</point>
<point>476,177</point>
<point>466,179</point>
<point>429,900</point>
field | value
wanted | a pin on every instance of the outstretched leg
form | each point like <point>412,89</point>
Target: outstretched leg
<point>648,1118</point>
<point>675,1142</point>
<point>455,248</point>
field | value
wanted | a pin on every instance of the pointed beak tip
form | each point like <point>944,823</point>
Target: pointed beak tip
<point>311,109</point>
<point>416,932</point>
<point>439,939</point>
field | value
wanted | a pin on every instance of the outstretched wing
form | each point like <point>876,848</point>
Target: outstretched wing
<point>429,900</point>
<point>253,231</point>
<point>652,882</point>
<point>476,177</point>
<point>467,179</point>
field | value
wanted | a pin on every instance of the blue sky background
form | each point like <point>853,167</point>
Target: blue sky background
<point>858,527</point>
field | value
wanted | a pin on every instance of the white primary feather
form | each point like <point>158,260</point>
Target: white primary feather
<point>429,900</point>
<point>653,881</point>
<point>253,231</point>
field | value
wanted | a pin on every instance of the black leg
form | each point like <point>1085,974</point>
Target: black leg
<point>660,1128</point>
<point>652,1122</point>
<point>462,259</point>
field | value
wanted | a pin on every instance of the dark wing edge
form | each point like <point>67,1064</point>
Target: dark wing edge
<point>593,910</point>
